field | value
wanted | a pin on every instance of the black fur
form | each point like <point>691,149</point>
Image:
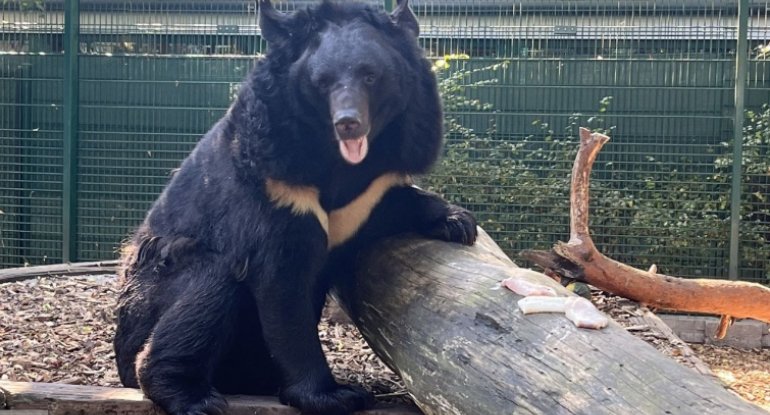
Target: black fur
<point>222,287</point>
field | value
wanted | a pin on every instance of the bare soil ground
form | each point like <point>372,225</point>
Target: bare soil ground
<point>60,330</point>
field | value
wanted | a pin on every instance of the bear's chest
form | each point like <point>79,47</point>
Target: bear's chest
<point>340,223</point>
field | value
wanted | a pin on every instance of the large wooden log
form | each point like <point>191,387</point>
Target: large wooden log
<point>434,313</point>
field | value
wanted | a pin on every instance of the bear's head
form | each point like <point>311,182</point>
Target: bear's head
<point>362,78</point>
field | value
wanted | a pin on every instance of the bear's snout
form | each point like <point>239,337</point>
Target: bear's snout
<point>349,125</point>
<point>352,131</point>
<point>349,105</point>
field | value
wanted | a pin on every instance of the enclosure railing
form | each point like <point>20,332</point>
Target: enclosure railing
<point>101,99</point>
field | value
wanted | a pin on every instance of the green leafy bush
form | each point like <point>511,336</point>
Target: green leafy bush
<point>673,214</point>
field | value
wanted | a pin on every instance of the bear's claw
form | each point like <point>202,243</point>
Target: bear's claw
<point>458,226</point>
<point>342,400</point>
<point>214,404</point>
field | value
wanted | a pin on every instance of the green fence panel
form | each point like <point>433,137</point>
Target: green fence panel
<point>31,75</point>
<point>755,209</point>
<point>662,185</point>
<point>519,78</point>
<point>30,159</point>
<point>132,138</point>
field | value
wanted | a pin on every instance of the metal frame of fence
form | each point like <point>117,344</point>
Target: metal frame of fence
<point>100,100</point>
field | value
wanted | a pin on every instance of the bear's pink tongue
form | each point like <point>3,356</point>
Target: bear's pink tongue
<point>354,150</point>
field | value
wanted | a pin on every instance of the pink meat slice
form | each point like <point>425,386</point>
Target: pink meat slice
<point>542,304</point>
<point>526,288</point>
<point>584,313</point>
<point>580,311</point>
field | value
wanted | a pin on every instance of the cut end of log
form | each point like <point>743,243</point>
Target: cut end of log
<point>555,264</point>
<point>593,139</point>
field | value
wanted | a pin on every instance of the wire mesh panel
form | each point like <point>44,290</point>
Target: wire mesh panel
<point>30,134</point>
<point>755,211</point>
<point>659,75</point>
<point>517,77</point>
<point>154,77</point>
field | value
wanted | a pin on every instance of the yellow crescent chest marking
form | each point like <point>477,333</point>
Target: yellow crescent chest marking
<point>345,221</point>
<point>302,200</point>
<point>340,224</point>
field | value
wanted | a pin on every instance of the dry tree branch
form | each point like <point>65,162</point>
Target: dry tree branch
<point>580,259</point>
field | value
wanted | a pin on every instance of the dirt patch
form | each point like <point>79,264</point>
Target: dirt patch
<point>60,330</point>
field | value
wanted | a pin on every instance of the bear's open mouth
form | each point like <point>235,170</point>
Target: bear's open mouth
<point>354,150</point>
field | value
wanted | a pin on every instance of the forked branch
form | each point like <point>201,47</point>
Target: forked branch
<point>580,259</point>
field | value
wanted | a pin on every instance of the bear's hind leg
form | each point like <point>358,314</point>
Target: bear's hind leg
<point>176,366</point>
<point>135,320</point>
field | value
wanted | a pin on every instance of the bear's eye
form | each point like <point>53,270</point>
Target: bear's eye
<point>370,78</point>
<point>323,82</point>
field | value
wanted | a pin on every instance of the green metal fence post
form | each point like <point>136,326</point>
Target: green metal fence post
<point>390,5</point>
<point>741,68</point>
<point>71,121</point>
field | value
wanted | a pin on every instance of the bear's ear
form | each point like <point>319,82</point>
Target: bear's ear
<point>403,17</point>
<point>272,24</point>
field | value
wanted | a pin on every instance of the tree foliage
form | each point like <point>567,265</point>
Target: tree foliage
<point>674,214</point>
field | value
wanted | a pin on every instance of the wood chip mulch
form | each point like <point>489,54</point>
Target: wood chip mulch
<point>630,315</point>
<point>747,372</point>
<point>59,329</point>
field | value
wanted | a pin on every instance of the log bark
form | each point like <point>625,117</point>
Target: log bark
<point>435,313</point>
<point>580,259</point>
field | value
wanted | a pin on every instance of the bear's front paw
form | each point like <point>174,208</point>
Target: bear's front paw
<point>214,404</point>
<point>341,400</point>
<point>458,226</point>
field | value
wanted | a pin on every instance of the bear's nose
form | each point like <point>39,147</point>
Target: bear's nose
<point>348,127</point>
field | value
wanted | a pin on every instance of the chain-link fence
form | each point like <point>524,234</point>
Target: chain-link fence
<point>518,78</point>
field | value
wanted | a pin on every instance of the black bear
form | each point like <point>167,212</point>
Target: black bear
<point>225,280</point>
